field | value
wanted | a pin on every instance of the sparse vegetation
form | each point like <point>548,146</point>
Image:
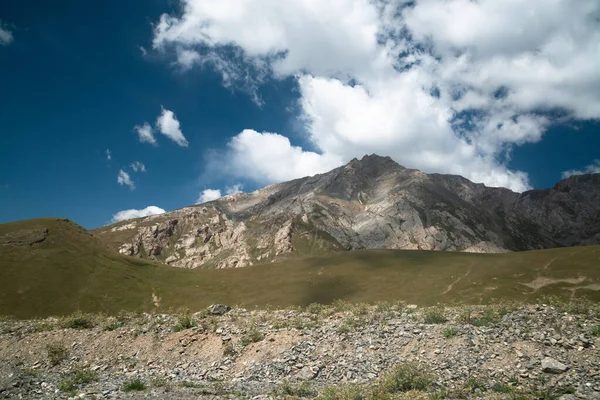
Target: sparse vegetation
<point>303,389</point>
<point>185,320</point>
<point>159,382</point>
<point>252,336</point>
<point>57,352</point>
<point>350,392</point>
<point>475,385</point>
<point>113,324</point>
<point>435,315</point>
<point>405,377</point>
<point>596,330</point>
<point>450,332</point>
<point>192,385</point>
<point>79,321</point>
<point>134,385</point>
<point>500,387</point>
<point>73,380</point>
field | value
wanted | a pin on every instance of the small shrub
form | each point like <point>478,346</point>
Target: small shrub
<point>434,316</point>
<point>185,320</point>
<point>162,383</point>
<point>596,330</point>
<point>360,309</point>
<point>473,384</point>
<point>113,324</point>
<point>253,336</point>
<point>499,387</point>
<point>303,389</point>
<point>73,380</point>
<point>405,377</point>
<point>315,308</point>
<point>57,352</point>
<point>344,328</point>
<point>79,321</point>
<point>351,392</point>
<point>192,385</point>
<point>134,385</point>
<point>450,332</point>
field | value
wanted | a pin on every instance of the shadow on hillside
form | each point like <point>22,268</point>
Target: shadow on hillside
<point>325,290</point>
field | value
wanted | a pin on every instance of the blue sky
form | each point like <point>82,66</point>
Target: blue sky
<point>262,98</point>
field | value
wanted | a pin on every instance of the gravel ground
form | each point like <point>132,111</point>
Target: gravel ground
<point>484,352</point>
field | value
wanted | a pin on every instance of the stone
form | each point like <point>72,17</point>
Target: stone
<point>218,309</point>
<point>306,374</point>
<point>552,366</point>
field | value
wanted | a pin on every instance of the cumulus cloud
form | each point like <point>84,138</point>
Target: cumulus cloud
<point>593,168</point>
<point>125,180</point>
<point>108,155</point>
<point>6,36</point>
<point>169,126</point>
<point>209,195</point>
<point>137,166</point>
<point>145,133</point>
<point>443,86</point>
<point>133,213</point>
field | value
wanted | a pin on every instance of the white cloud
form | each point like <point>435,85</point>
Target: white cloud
<point>593,168</point>
<point>169,126</point>
<point>124,179</point>
<point>108,155</point>
<point>130,214</point>
<point>137,166</point>
<point>237,188</point>
<point>145,133</point>
<point>270,157</point>
<point>444,86</point>
<point>209,195</point>
<point>6,36</point>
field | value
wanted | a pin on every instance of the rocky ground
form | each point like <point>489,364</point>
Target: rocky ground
<point>336,352</point>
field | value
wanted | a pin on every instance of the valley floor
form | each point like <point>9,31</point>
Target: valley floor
<point>328,352</point>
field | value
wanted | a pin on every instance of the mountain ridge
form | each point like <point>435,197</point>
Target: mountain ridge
<point>366,204</point>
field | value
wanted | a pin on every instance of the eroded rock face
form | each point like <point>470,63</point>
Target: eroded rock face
<point>368,203</point>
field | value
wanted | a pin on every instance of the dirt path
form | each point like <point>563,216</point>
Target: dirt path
<point>450,286</point>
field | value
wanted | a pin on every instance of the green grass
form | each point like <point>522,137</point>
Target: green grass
<point>72,270</point>
<point>134,385</point>
<point>450,332</point>
<point>434,315</point>
<point>596,330</point>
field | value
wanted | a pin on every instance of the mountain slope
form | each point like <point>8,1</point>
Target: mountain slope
<point>367,204</point>
<point>54,267</point>
<point>51,266</point>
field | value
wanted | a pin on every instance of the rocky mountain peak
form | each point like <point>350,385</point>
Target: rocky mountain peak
<point>369,203</point>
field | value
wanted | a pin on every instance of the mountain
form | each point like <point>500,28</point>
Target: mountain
<point>372,203</point>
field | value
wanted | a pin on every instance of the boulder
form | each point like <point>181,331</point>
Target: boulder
<point>552,366</point>
<point>218,309</point>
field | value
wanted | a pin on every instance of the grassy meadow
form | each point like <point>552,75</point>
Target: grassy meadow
<point>71,270</point>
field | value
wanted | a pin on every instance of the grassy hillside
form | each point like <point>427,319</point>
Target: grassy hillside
<point>51,266</point>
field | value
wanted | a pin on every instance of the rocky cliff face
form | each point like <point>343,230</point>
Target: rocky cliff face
<point>368,203</point>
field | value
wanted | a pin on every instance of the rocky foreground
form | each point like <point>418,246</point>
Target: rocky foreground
<point>336,352</point>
